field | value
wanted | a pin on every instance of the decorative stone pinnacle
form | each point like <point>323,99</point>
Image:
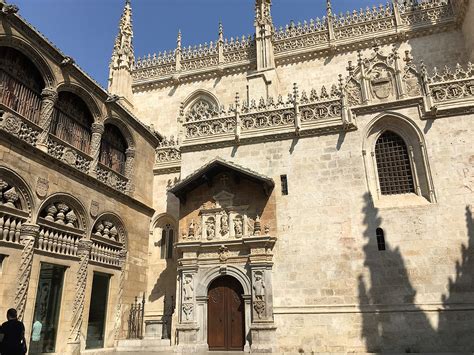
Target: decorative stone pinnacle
<point>122,55</point>
<point>328,8</point>
<point>178,40</point>
<point>221,32</point>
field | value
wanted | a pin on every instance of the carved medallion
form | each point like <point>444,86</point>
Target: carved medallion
<point>11,124</point>
<point>94,210</point>
<point>223,253</point>
<point>69,157</point>
<point>42,187</point>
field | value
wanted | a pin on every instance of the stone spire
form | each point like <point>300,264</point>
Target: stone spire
<point>263,35</point>
<point>123,58</point>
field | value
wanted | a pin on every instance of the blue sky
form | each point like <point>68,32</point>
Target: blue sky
<point>86,29</point>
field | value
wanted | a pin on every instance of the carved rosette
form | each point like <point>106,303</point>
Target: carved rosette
<point>83,252</point>
<point>28,235</point>
<point>49,98</point>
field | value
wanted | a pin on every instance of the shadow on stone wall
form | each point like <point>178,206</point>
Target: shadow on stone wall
<point>391,321</point>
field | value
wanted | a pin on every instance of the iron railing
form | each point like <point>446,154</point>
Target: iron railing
<point>135,319</point>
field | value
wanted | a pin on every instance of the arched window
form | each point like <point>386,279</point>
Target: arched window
<point>393,165</point>
<point>380,239</point>
<point>113,148</point>
<point>167,242</point>
<point>20,84</point>
<point>72,121</point>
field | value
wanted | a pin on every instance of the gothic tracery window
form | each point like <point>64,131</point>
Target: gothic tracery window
<point>113,148</point>
<point>393,165</point>
<point>20,84</point>
<point>72,121</point>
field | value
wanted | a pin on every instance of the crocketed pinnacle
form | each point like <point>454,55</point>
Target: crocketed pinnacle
<point>328,8</point>
<point>263,12</point>
<point>122,55</point>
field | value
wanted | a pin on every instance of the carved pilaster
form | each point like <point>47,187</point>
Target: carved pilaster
<point>97,132</point>
<point>129,164</point>
<point>118,309</point>
<point>296,104</point>
<point>28,235</point>
<point>83,252</point>
<point>48,100</point>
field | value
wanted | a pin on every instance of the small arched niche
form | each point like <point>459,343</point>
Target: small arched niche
<point>164,236</point>
<point>109,240</point>
<point>21,84</point>
<point>72,121</point>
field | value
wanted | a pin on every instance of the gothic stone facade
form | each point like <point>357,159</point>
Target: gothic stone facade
<point>313,193</point>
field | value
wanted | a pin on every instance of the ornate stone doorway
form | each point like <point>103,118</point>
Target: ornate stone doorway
<point>225,312</point>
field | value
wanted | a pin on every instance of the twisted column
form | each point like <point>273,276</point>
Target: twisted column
<point>97,132</point>
<point>83,252</point>
<point>28,235</point>
<point>49,98</point>
<point>118,309</point>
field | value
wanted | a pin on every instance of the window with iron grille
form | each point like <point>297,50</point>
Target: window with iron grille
<point>72,121</point>
<point>380,239</point>
<point>393,165</point>
<point>20,84</point>
<point>112,149</point>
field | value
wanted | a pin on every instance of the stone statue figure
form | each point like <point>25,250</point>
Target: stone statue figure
<point>188,289</point>
<point>259,287</point>
<point>210,230</point>
<point>224,223</point>
<point>238,226</point>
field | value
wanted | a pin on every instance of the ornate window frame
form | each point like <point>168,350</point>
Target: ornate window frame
<point>415,142</point>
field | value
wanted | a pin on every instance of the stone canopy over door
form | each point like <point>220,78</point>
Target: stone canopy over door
<point>225,257</point>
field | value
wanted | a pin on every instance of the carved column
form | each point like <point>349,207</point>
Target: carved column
<point>83,252</point>
<point>118,309</point>
<point>129,163</point>
<point>297,109</point>
<point>97,132</point>
<point>48,100</point>
<point>28,235</point>
<point>188,318</point>
<point>238,120</point>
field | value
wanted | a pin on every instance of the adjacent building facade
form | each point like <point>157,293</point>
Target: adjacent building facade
<point>310,188</point>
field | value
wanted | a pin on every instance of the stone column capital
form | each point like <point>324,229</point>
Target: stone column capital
<point>98,127</point>
<point>29,231</point>
<point>130,152</point>
<point>49,94</point>
<point>84,246</point>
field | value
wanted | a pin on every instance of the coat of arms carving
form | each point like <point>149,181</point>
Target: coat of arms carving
<point>42,187</point>
<point>381,82</point>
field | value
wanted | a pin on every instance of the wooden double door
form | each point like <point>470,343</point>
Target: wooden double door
<point>225,315</point>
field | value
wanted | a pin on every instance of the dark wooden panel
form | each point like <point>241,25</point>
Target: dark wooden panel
<point>226,330</point>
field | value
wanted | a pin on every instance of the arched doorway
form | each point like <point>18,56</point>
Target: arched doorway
<point>225,314</point>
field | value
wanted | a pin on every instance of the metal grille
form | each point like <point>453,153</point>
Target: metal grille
<point>72,121</point>
<point>393,165</point>
<point>135,319</point>
<point>112,149</point>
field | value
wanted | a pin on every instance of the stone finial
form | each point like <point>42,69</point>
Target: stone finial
<point>221,32</point>
<point>263,12</point>
<point>328,8</point>
<point>122,55</point>
<point>178,40</point>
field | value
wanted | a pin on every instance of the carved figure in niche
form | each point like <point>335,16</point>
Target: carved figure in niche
<point>238,225</point>
<point>188,289</point>
<point>224,223</point>
<point>412,83</point>
<point>381,82</point>
<point>259,286</point>
<point>210,229</point>
<point>191,229</point>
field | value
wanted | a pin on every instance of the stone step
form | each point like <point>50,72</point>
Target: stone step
<point>155,345</point>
